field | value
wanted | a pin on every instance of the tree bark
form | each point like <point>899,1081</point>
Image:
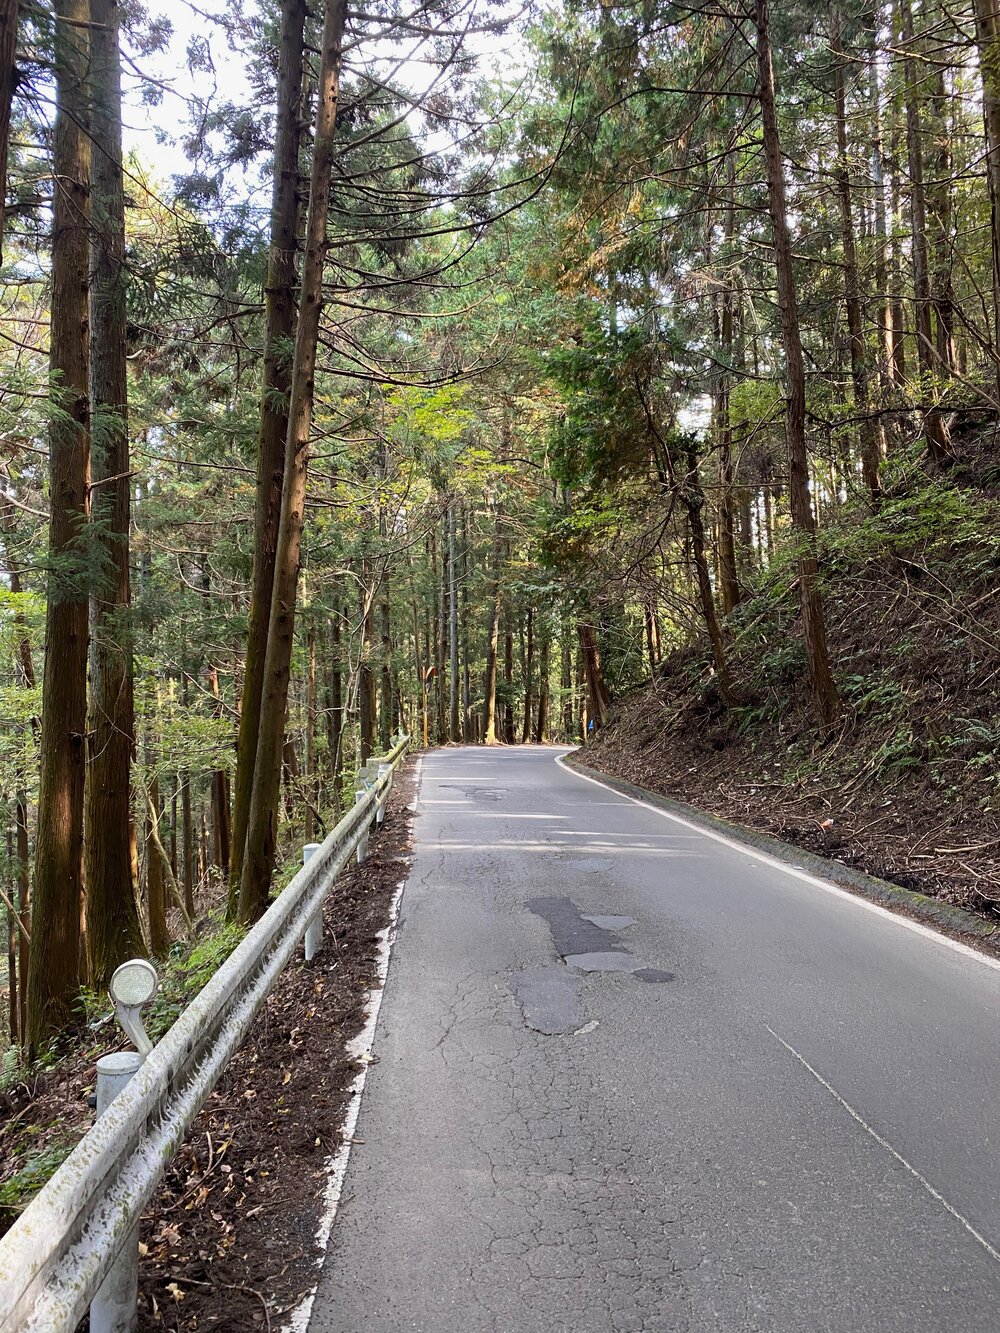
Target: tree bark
<point>156,896</point>
<point>454,730</point>
<point>114,933</point>
<point>693,499</point>
<point>8,43</point>
<point>988,41</point>
<point>529,666</point>
<point>826,700</point>
<point>542,715</point>
<point>867,434</point>
<point>53,975</point>
<point>279,325</point>
<point>492,644</point>
<point>729,575</point>
<point>934,429</point>
<point>262,829</point>
<point>508,680</point>
<point>597,690</point>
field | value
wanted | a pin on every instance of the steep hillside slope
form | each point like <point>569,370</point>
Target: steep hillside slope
<point>909,787</point>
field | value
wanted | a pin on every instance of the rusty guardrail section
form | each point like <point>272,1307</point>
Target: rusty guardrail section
<point>54,1258</point>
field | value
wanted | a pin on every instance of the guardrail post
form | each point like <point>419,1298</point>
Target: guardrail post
<point>380,815</point>
<point>113,1309</point>
<point>359,796</point>
<point>314,930</point>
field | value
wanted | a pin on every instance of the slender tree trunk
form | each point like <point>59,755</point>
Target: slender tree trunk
<point>13,1011</point>
<point>468,722</point>
<point>529,666</point>
<point>566,683</point>
<point>542,716</point>
<point>652,635</point>
<point>441,644</point>
<point>729,576</point>
<point>508,680</point>
<point>279,326</point>
<point>988,40</point>
<point>8,43</point>
<point>867,435</point>
<point>113,929</point>
<point>694,503</point>
<point>312,787</point>
<point>934,429</point>
<point>156,895</point>
<point>367,698</point>
<point>454,729</point>
<point>53,975</point>
<point>262,829</point>
<point>940,222</point>
<point>492,644</point>
<point>826,700</point>
<point>385,707</point>
<point>335,711</point>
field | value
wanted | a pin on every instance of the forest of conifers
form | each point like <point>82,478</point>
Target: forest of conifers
<point>425,367</point>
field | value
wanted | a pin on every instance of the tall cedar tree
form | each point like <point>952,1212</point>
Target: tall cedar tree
<point>8,74</point>
<point>279,314</point>
<point>826,700</point>
<point>53,973</point>
<point>113,929</point>
<point>258,862</point>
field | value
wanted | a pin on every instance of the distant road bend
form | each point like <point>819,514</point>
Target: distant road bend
<point>634,1079</point>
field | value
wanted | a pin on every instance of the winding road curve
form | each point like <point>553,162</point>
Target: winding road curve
<point>633,1078</point>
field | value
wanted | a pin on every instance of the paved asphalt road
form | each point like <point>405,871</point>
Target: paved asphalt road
<point>632,1077</point>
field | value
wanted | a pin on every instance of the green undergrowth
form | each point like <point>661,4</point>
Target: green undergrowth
<point>37,1133</point>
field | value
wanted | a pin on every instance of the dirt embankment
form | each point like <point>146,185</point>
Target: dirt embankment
<point>908,788</point>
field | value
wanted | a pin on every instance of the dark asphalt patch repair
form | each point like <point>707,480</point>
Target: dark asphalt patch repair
<point>548,996</point>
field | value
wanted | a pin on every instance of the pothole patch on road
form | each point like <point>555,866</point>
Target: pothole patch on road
<point>588,941</point>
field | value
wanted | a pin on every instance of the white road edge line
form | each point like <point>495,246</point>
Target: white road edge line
<point>298,1320</point>
<point>857,899</point>
<point>883,1143</point>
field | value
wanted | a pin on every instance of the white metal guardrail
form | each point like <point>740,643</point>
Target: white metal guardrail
<point>56,1256</point>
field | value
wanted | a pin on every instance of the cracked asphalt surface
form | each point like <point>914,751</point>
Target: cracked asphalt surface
<point>764,1107</point>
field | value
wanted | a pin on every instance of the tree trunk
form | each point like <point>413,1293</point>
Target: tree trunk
<point>468,722</point>
<point>729,577</point>
<point>508,680</point>
<point>566,683</point>
<point>441,650</point>
<point>55,954</point>
<point>542,716</point>
<point>867,435</point>
<point>454,731</point>
<point>312,792</point>
<point>988,39</point>
<point>367,700</point>
<point>826,700</point>
<point>492,645</point>
<point>13,1011</point>
<point>694,502</point>
<point>529,663</point>
<point>934,429</point>
<point>156,895</point>
<point>8,43</point>
<point>597,691</point>
<point>385,707</point>
<point>279,326</point>
<point>335,707</point>
<point>262,829</point>
<point>221,826</point>
<point>114,933</point>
